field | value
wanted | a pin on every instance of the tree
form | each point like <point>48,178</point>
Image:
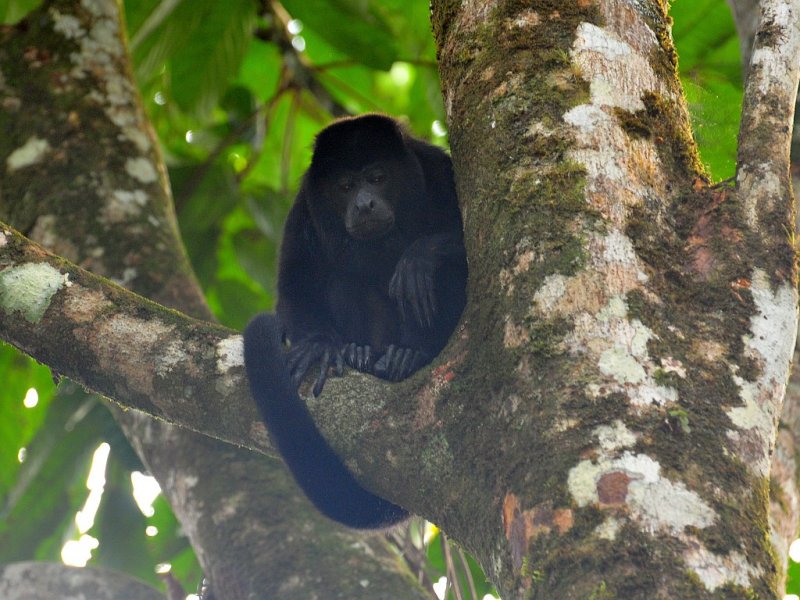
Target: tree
<point>601,424</point>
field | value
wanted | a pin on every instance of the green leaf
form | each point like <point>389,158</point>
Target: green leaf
<point>19,424</point>
<point>120,527</point>
<point>701,27</point>
<point>710,69</point>
<point>202,69</point>
<point>202,42</point>
<point>40,508</point>
<point>355,28</point>
<point>714,110</point>
<point>202,213</point>
<point>137,13</point>
<point>438,566</point>
<point>162,31</point>
<point>260,69</point>
<point>793,582</point>
<point>13,11</point>
<point>238,302</point>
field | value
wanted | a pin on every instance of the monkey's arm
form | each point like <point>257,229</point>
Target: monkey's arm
<point>429,287</point>
<point>302,309</point>
<point>413,284</point>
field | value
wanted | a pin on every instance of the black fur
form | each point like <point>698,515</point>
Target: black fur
<point>372,274</point>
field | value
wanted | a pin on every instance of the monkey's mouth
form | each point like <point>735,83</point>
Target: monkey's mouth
<point>370,229</point>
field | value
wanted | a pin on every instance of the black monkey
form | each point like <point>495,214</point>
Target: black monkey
<point>373,274</point>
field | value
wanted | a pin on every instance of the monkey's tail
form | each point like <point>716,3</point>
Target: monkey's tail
<point>316,468</point>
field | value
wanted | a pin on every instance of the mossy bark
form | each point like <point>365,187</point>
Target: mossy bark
<point>630,324</point>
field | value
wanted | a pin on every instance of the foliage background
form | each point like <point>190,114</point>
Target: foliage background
<point>236,91</point>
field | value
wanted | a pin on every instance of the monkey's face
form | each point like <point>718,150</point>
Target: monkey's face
<point>363,199</point>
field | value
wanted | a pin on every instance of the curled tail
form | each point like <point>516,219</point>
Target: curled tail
<point>316,468</point>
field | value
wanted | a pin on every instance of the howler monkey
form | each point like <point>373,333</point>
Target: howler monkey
<point>372,274</point>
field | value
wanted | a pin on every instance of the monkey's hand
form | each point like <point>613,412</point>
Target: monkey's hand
<point>316,348</point>
<point>359,357</point>
<point>399,362</point>
<point>412,283</point>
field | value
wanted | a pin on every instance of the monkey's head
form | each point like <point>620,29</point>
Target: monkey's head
<point>363,172</point>
<point>363,199</point>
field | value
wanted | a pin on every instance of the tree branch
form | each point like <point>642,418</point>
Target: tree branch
<point>19,581</point>
<point>124,346</point>
<point>682,328</point>
<point>745,15</point>
<point>768,111</point>
<point>784,497</point>
<point>190,372</point>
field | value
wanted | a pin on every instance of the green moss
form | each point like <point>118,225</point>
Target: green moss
<point>601,592</point>
<point>634,123</point>
<point>546,335</point>
<point>680,418</point>
<point>697,422</point>
<point>442,16</point>
<point>666,378</point>
<point>737,592</point>
<point>623,563</point>
<point>744,526</point>
<point>669,122</point>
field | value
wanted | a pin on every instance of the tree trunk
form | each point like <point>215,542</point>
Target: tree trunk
<point>643,320</point>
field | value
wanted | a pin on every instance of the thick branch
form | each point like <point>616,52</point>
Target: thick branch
<point>768,111</point>
<point>124,346</point>
<point>22,581</point>
<point>745,15</point>
<point>190,372</point>
<point>644,333</point>
<point>784,496</point>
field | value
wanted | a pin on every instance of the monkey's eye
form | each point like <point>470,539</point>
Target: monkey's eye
<point>345,185</point>
<point>376,176</point>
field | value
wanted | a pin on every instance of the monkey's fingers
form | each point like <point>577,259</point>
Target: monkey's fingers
<point>323,373</point>
<point>382,366</point>
<point>366,359</point>
<point>402,364</point>
<point>293,360</point>
<point>398,363</point>
<point>299,363</point>
<point>397,289</point>
<point>392,357</point>
<point>339,359</point>
<point>424,299</point>
<point>359,357</point>
<point>350,354</point>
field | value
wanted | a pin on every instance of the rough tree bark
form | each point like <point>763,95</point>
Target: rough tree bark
<point>602,423</point>
<point>784,493</point>
<point>745,15</point>
<point>30,580</point>
<point>655,315</point>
